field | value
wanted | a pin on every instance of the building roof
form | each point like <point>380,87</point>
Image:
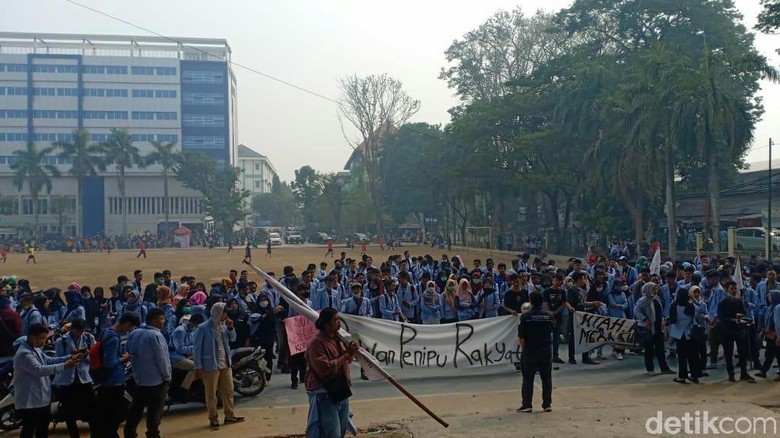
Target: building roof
<point>246,152</point>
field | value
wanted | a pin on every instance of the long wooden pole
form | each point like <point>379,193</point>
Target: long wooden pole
<point>309,313</point>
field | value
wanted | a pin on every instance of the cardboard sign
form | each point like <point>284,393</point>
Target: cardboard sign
<point>300,332</point>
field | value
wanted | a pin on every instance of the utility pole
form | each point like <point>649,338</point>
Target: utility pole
<point>769,237</point>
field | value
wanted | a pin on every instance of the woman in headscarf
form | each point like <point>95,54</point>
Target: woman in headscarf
<point>240,322</point>
<point>74,304</point>
<point>681,317</point>
<point>181,294</point>
<point>198,298</point>
<point>164,302</point>
<point>430,305</point>
<point>132,304</point>
<point>449,310</point>
<point>648,313</point>
<point>263,330</point>
<point>617,303</point>
<point>464,300</point>
<point>489,299</point>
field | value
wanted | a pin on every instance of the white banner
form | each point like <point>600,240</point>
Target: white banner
<point>477,343</point>
<point>592,331</point>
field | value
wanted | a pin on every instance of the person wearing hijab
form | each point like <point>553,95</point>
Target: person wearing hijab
<point>211,354</point>
<point>617,304</point>
<point>34,311</point>
<point>181,294</point>
<point>181,346</point>
<point>699,330</point>
<point>132,304</point>
<point>240,323</point>
<point>488,299</point>
<point>164,302</point>
<point>648,313</point>
<point>430,305</point>
<point>74,305</point>
<point>198,298</point>
<point>449,309</point>
<point>262,329</point>
<point>464,301</point>
<point>681,316</point>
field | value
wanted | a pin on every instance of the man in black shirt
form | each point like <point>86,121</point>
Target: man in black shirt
<point>515,297</point>
<point>535,336</point>
<point>575,302</point>
<point>730,310</point>
<point>554,302</point>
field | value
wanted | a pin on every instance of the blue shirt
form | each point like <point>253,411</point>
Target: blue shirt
<point>388,306</point>
<point>31,317</point>
<point>324,298</point>
<point>32,368</point>
<point>617,298</point>
<point>491,301</point>
<point>149,350</point>
<point>111,350</point>
<point>181,343</point>
<point>205,350</point>
<point>66,346</point>
<point>713,296</point>
<point>350,307</point>
<point>408,293</point>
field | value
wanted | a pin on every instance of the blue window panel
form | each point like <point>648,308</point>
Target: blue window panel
<point>143,137</point>
<point>166,116</point>
<point>16,68</point>
<point>165,71</point>
<point>116,92</point>
<point>2,91</point>
<point>143,93</point>
<point>44,68</point>
<point>67,69</point>
<point>14,136</point>
<point>147,71</point>
<point>94,92</point>
<point>11,160</point>
<point>98,137</point>
<point>116,70</point>
<point>117,115</point>
<point>143,115</point>
<point>2,136</point>
<point>168,138</point>
<point>202,77</point>
<point>110,115</point>
<point>203,142</point>
<point>13,114</point>
<point>16,91</point>
<point>44,91</point>
<point>192,98</point>
<point>168,94</point>
<point>2,160</point>
<point>67,91</point>
<point>94,69</point>
<point>203,120</point>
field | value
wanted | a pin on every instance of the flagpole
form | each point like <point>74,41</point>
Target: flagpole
<point>368,359</point>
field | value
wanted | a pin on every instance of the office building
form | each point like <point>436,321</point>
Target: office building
<point>258,173</point>
<point>179,90</point>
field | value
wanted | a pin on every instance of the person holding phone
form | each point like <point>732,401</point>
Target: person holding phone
<point>32,385</point>
<point>75,384</point>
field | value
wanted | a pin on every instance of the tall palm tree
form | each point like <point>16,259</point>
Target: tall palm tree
<point>85,161</point>
<point>28,167</point>
<point>121,153</point>
<point>164,156</point>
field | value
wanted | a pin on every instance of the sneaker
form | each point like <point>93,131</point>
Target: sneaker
<point>693,379</point>
<point>557,359</point>
<point>525,410</point>
<point>590,361</point>
<point>214,424</point>
<point>234,420</point>
<point>747,378</point>
<point>548,409</point>
<point>619,356</point>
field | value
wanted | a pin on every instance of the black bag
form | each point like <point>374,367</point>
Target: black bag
<point>337,388</point>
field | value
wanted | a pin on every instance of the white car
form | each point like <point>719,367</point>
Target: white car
<point>275,238</point>
<point>754,239</point>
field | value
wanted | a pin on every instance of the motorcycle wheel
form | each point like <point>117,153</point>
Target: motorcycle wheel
<point>9,420</point>
<point>249,381</point>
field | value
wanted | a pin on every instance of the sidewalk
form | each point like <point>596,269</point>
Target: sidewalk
<point>597,411</point>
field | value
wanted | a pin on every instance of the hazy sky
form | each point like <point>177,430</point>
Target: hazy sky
<point>312,44</point>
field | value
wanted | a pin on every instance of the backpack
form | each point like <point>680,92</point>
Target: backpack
<point>96,370</point>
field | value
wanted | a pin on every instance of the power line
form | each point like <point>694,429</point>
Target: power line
<point>253,70</point>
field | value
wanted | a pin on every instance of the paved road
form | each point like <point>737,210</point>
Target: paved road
<point>477,380</point>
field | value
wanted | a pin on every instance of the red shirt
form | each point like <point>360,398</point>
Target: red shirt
<point>330,244</point>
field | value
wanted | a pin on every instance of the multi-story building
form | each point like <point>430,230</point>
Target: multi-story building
<point>179,90</point>
<point>257,171</point>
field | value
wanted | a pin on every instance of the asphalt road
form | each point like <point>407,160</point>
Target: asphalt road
<point>476,380</point>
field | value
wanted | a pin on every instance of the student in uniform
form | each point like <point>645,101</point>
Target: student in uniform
<point>356,304</point>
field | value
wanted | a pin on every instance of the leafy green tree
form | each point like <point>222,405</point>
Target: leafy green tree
<point>165,156</point>
<point>28,168</point>
<point>222,199</point>
<point>278,207</point>
<point>769,18</point>
<point>86,159</point>
<point>123,155</point>
<point>307,188</point>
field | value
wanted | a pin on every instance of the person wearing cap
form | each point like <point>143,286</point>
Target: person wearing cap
<point>356,304</point>
<point>30,315</point>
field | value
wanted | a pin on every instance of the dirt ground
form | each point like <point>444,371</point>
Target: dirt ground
<point>57,269</point>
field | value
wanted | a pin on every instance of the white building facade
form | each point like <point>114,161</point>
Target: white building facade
<point>257,172</point>
<point>180,91</point>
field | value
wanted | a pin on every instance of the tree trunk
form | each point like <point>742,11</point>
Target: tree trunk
<point>713,187</point>
<point>124,199</point>
<point>635,210</point>
<point>671,220</point>
<point>167,200</point>
<point>79,207</point>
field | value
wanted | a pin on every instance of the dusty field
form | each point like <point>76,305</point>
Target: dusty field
<point>57,269</point>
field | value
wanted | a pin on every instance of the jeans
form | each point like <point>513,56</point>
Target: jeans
<point>537,362</point>
<point>654,348</point>
<point>334,419</point>
<point>111,409</point>
<point>221,381</point>
<point>35,422</point>
<point>153,399</point>
<point>730,336</point>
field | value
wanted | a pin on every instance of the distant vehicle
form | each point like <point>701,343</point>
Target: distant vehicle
<point>360,237</point>
<point>294,238</point>
<point>321,238</point>
<point>754,239</point>
<point>275,238</point>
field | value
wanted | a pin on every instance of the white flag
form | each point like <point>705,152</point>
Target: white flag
<point>738,277</point>
<point>655,265</point>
